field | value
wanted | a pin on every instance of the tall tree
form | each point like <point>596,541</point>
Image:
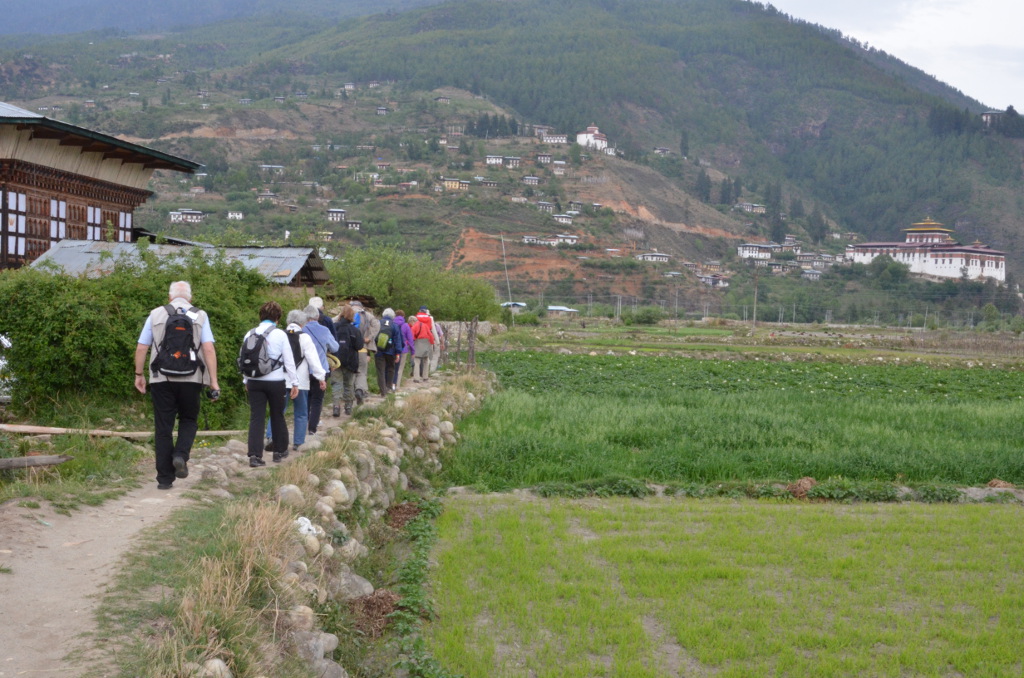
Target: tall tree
<point>725,192</point>
<point>703,186</point>
<point>816,226</point>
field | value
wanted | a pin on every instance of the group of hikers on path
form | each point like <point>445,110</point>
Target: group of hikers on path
<point>296,363</point>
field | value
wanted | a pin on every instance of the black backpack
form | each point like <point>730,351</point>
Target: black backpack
<point>293,340</point>
<point>177,355</point>
<point>253,357</point>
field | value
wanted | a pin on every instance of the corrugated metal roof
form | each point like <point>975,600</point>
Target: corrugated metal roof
<point>9,111</point>
<point>284,265</point>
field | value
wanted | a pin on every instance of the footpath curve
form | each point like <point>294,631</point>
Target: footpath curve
<point>60,565</point>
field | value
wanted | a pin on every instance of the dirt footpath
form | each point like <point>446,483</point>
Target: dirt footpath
<point>59,564</point>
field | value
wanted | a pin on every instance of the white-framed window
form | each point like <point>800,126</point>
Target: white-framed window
<point>94,224</point>
<point>124,227</point>
<point>58,219</point>
<point>16,226</point>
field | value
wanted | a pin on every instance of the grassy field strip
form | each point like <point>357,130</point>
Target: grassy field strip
<point>520,439</point>
<point>665,587</point>
<point>573,418</point>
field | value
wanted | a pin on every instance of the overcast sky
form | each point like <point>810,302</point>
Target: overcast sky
<point>977,46</point>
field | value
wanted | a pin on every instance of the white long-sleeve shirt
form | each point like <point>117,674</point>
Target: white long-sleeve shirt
<point>278,348</point>
<point>310,364</point>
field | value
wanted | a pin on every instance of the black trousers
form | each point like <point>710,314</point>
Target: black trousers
<point>263,394</point>
<point>316,402</point>
<point>385,365</point>
<point>173,400</point>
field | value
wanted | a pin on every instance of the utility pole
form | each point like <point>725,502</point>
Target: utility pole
<point>753,319</point>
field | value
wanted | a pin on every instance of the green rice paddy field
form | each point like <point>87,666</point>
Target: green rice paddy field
<point>669,419</point>
<point>685,587</point>
<point>672,586</point>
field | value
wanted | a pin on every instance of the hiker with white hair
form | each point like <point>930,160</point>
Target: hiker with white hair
<point>307,364</point>
<point>389,345</point>
<point>183,361</point>
<point>326,344</point>
<point>321,317</point>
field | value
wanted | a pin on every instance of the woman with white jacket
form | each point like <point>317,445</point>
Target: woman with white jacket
<point>307,364</point>
<point>271,389</point>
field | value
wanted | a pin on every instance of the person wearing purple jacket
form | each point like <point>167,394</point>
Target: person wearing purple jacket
<point>406,349</point>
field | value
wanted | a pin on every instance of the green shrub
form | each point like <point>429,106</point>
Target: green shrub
<point>527,319</point>
<point>74,337</point>
<point>936,494</point>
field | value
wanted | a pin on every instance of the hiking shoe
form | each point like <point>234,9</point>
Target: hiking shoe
<point>360,396</point>
<point>164,486</point>
<point>337,410</point>
<point>255,462</point>
<point>278,457</point>
<point>180,467</point>
<point>268,446</point>
<point>348,410</point>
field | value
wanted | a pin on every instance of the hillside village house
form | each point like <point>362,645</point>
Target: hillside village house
<point>494,160</point>
<point>61,181</point>
<point>564,219</point>
<point>755,250</point>
<point>713,279</point>
<point>236,216</point>
<point>182,216</point>
<point>531,180</point>
<point>929,249</point>
<point>543,158</point>
<point>561,311</point>
<point>592,138</point>
<point>655,257</point>
<point>555,139</point>
<point>545,206</point>
<point>336,214</point>
<point>750,207</point>
<point>512,161</point>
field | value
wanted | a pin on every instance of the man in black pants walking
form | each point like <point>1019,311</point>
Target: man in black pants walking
<point>174,390</point>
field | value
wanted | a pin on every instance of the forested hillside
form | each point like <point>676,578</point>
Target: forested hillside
<point>74,16</point>
<point>751,91</point>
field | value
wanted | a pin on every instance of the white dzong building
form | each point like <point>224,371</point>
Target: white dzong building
<point>929,249</point>
<point>592,138</point>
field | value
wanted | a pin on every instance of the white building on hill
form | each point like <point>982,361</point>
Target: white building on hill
<point>592,138</point>
<point>929,249</point>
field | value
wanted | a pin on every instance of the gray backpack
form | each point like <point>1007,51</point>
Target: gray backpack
<point>253,358</point>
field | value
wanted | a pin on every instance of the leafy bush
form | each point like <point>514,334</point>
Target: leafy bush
<point>937,494</point>
<point>529,318</point>
<point>611,486</point>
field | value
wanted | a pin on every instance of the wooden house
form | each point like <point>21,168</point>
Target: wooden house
<point>60,181</point>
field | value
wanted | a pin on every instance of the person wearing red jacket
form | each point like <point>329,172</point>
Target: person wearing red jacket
<point>423,334</point>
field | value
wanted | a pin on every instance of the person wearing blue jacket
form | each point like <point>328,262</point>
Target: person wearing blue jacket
<point>325,342</point>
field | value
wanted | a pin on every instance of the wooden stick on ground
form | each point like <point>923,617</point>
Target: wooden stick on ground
<point>103,433</point>
<point>37,460</point>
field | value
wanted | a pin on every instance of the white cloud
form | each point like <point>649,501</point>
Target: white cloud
<point>973,45</point>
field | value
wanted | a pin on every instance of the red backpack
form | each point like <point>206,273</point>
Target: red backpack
<point>422,329</point>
